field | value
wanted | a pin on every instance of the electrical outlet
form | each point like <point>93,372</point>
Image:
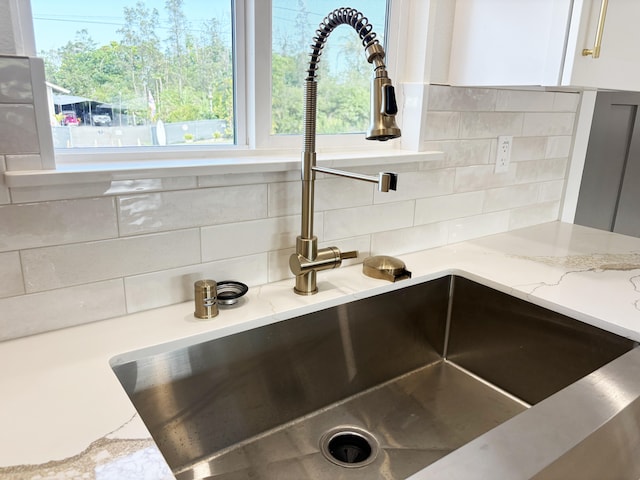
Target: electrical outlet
<point>503,154</point>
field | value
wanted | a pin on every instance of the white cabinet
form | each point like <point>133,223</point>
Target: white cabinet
<point>540,42</point>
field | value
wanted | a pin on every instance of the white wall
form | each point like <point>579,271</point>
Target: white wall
<point>80,253</point>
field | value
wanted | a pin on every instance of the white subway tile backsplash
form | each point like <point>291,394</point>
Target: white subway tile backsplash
<point>54,223</point>
<point>120,187</point>
<point>87,190</point>
<point>459,153</point>
<point>551,191</point>
<point>405,240</point>
<point>15,80</point>
<point>526,148</point>
<point>229,179</point>
<point>558,147</point>
<point>400,168</point>
<point>541,170</point>
<point>490,124</point>
<point>546,124</point>
<point>11,281</point>
<point>566,102</point>
<point>167,287</point>
<point>279,264</point>
<point>524,101</point>
<point>284,199</point>
<point>18,133</point>
<point>461,99</point>
<point>351,222</point>
<point>330,193</point>
<point>482,177</point>
<point>190,208</point>
<point>333,193</point>
<point>447,207</point>
<point>257,236</point>
<point>534,215</point>
<point>67,265</point>
<point>59,192</point>
<point>40,312</point>
<point>478,226</point>
<point>422,184</point>
<point>513,196</point>
<point>442,126</point>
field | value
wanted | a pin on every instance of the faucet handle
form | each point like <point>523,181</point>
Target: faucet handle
<point>389,104</point>
<point>387,181</point>
<point>325,259</point>
<point>349,254</point>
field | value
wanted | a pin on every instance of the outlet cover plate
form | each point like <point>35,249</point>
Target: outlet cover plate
<point>503,153</point>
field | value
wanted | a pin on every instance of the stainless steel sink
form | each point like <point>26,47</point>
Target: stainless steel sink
<point>382,388</point>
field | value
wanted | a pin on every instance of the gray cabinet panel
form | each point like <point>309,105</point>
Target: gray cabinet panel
<point>609,195</point>
<point>627,219</point>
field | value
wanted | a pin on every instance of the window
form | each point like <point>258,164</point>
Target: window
<point>153,72</point>
<point>150,73</point>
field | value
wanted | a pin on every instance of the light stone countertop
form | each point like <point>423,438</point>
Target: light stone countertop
<point>63,413</point>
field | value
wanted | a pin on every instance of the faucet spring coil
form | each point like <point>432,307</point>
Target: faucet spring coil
<point>339,16</point>
<point>311,88</point>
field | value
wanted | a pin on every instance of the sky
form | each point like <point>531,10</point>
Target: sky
<point>57,21</point>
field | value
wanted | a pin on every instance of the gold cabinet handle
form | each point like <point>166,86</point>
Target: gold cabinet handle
<point>595,52</point>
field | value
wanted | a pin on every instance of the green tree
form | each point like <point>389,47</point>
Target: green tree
<point>287,97</point>
<point>70,60</point>
<point>143,56</point>
<point>213,72</point>
<point>176,42</point>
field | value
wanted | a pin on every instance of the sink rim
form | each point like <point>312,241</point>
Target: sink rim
<point>317,304</point>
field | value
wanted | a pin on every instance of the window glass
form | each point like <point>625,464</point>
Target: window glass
<point>344,74</point>
<point>137,73</point>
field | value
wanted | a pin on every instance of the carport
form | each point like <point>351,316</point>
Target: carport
<point>82,106</point>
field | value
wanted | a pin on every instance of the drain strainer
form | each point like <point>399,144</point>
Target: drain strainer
<point>349,447</point>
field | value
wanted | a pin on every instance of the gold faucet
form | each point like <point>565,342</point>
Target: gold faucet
<point>308,259</point>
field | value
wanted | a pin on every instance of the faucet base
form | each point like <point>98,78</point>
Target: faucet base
<point>306,284</point>
<point>301,292</point>
<point>308,260</point>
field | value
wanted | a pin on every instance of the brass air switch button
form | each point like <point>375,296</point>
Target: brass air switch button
<point>385,268</point>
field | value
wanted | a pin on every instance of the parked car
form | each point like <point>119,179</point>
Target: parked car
<point>69,118</point>
<point>101,119</point>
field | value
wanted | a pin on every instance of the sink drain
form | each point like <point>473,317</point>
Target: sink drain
<point>349,447</point>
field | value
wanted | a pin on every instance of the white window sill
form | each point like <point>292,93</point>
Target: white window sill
<point>231,162</point>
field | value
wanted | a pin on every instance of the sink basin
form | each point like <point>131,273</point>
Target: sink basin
<point>377,388</point>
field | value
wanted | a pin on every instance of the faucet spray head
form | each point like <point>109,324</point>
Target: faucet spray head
<point>384,108</point>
